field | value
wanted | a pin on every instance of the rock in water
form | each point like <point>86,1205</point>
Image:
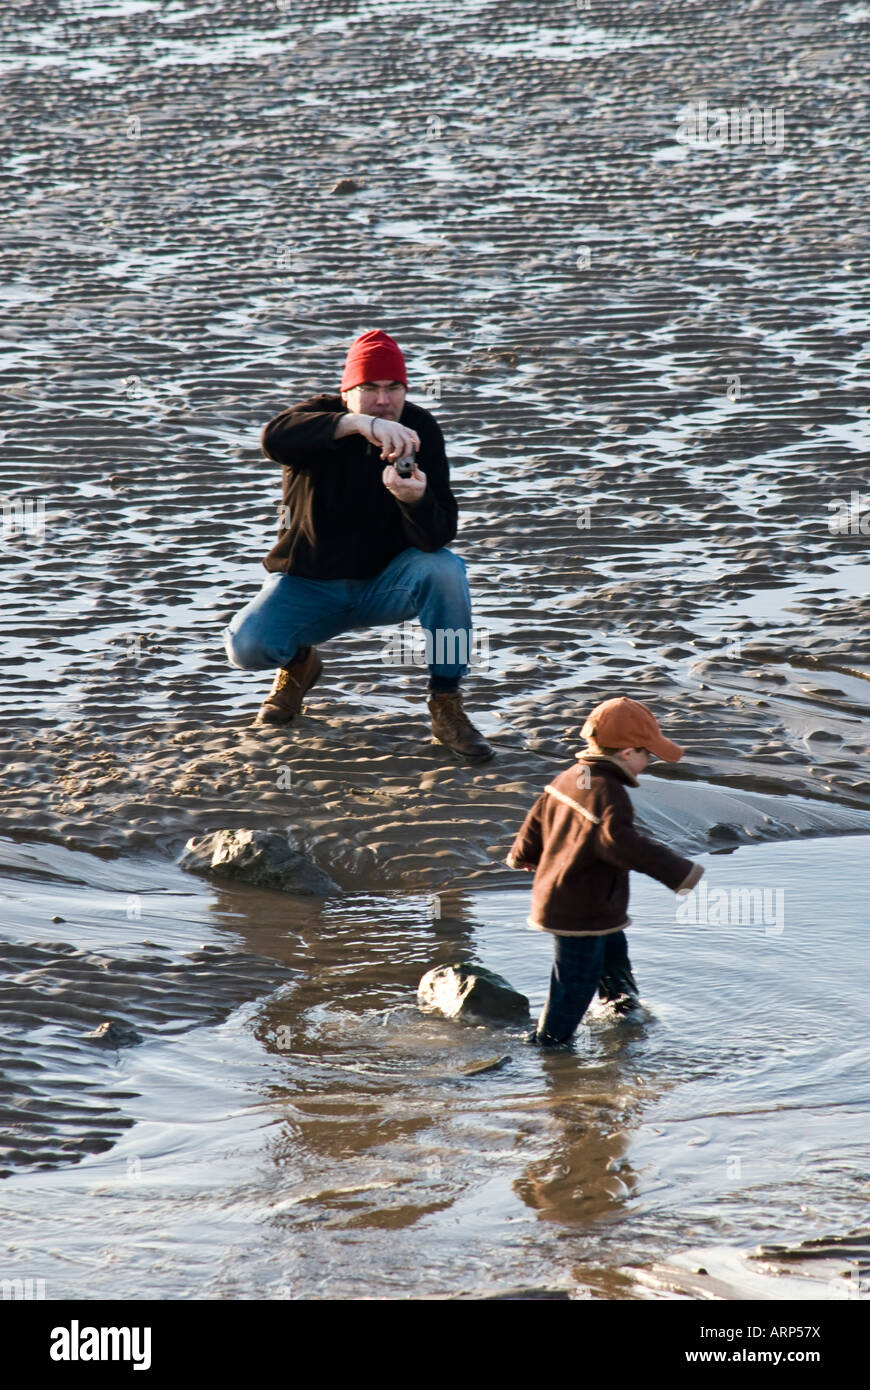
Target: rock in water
<point>460,991</point>
<point>260,857</point>
<point>113,1034</point>
<point>486,1066</point>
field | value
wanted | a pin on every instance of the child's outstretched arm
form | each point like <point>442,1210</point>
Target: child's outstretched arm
<point>526,849</point>
<point>620,844</point>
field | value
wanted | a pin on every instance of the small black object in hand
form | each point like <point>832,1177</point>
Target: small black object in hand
<point>405,466</point>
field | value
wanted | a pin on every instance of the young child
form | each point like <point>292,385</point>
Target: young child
<point>579,838</point>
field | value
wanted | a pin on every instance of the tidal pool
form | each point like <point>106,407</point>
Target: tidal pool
<point>291,1126</point>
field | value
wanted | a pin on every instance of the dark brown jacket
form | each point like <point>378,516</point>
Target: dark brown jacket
<point>339,521</point>
<point>580,838</point>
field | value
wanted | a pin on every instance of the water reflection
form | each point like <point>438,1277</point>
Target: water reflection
<point>586,1177</point>
<point>357,957</point>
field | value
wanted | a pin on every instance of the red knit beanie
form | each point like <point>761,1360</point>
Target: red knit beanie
<point>373,356</point>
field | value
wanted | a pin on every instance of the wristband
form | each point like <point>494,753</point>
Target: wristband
<point>373,418</point>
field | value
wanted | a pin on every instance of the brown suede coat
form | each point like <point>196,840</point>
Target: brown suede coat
<point>580,838</point>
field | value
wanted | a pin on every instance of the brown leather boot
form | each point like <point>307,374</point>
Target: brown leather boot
<point>284,700</point>
<point>452,726</point>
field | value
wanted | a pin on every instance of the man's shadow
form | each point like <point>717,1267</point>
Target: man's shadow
<point>351,957</point>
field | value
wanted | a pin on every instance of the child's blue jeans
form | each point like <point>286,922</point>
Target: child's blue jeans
<point>578,965</point>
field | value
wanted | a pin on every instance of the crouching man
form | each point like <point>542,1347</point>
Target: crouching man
<point>360,544</point>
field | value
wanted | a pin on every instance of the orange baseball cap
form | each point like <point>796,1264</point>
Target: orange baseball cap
<point>624,723</point>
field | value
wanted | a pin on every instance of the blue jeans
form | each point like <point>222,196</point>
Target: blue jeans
<point>290,612</point>
<point>579,962</point>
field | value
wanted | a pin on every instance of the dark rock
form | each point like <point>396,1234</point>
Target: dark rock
<point>481,1068</point>
<point>346,186</point>
<point>260,857</point>
<point>460,991</point>
<point>721,831</point>
<point>114,1035</point>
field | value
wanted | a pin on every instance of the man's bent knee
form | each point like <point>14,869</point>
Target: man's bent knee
<point>244,653</point>
<point>442,566</point>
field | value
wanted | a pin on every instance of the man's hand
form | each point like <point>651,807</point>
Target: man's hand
<point>396,441</point>
<point>404,489</point>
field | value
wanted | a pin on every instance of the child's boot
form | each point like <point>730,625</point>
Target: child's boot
<point>618,987</point>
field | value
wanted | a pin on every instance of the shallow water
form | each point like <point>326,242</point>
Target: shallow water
<point>316,1135</point>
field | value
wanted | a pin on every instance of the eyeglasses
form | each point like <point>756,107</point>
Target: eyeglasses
<point>368,390</point>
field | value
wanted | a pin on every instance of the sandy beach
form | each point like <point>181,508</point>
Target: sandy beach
<point>176,279</point>
<point>648,357</point>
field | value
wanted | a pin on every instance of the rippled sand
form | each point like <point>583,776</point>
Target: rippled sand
<point>180,271</point>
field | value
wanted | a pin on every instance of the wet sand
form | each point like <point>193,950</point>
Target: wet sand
<point>180,270</point>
